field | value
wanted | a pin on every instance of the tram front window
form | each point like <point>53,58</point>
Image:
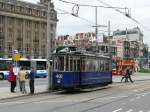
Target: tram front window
<point>59,63</point>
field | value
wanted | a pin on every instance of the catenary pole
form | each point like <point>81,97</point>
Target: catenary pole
<point>49,44</point>
<point>96,29</point>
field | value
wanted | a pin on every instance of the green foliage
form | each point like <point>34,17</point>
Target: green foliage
<point>145,71</point>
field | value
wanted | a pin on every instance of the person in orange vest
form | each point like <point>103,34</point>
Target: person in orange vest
<point>12,79</point>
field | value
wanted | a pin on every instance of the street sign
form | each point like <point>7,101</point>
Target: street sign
<point>16,57</point>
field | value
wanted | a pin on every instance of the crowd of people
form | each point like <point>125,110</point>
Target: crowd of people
<point>22,76</point>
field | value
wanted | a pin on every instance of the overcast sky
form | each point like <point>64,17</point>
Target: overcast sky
<point>140,10</point>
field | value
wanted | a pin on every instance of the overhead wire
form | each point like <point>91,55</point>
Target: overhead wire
<point>133,19</point>
<point>66,12</point>
<point>85,5</point>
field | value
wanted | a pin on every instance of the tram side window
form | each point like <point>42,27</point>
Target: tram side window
<point>74,65</point>
<point>96,65</point>
<point>55,63</point>
<point>102,65</point>
<point>67,63</point>
<point>71,64</point>
<point>78,65</point>
<point>83,65</point>
<point>87,65</point>
<point>61,63</point>
<point>107,65</point>
<point>91,65</point>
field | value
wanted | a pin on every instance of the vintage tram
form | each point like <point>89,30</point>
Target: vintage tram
<point>77,70</point>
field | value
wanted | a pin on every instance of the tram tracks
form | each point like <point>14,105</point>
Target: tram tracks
<point>59,108</point>
<point>108,92</point>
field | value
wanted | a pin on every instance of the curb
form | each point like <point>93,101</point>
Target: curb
<point>24,95</point>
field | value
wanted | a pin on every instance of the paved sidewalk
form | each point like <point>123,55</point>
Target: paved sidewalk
<point>5,92</point>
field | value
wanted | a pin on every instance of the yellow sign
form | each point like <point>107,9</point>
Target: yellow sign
<point>16,57</point>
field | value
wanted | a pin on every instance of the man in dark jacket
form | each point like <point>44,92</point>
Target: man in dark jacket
<point>129,73</point>
<point>31,77</point>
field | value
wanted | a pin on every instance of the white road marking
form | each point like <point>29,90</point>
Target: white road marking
<point>123,104</point>
<point>131,100</point>
<point>113,97</point>
<point>117,110</point>
<point>141,111</point>
<point>11,103</point>
<point>130,110</point>
<point>138,97</point>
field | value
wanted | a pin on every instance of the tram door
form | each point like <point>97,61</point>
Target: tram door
<point>75,68</point>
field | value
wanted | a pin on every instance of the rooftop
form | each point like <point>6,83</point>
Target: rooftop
<point>24,4</point>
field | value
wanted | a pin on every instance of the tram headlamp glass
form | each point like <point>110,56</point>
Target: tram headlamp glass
<point>58,81</point>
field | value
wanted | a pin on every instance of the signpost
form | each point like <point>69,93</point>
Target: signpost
<point>16,58</point>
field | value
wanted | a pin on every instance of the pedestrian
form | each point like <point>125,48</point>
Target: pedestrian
<point>31,77</point>
<point>22,79</point>
<point>12,79</point>
<point>124,76</point>
<point>129,73</point>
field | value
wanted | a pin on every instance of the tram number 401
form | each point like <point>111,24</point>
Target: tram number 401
<point>59,76</point>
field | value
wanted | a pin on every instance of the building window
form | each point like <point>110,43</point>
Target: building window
<point>10,33</point>
<point>10,21</point>
<point>29,11</point>
<point>44,26</point>
<point>28,24</point>
<point>19,35</point>
<point>19,23</point>
<point>8,7</point>
<point>1,45</point>
<point>28,36</point>
<point>1,20</point>
<point>1,32</point>
<point>43,35</point>
<point>2,5</point>
<point>17,8</point>
<point>44,13</point>
<point>9,47</point>
<point>28,48</point>
<point>36,35</point>
<point>12,7</point>
<point>36,25</point>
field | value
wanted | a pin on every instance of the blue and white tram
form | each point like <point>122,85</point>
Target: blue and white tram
<point>75,71</point>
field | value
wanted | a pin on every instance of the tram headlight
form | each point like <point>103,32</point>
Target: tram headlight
<point>58,81</point>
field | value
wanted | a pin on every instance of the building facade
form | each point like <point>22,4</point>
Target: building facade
<point>130,45</point>
<point>84,40</point>
<point>64,40</point>
<point>23,27</point>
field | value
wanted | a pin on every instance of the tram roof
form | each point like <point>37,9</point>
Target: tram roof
<point>82,54</point>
